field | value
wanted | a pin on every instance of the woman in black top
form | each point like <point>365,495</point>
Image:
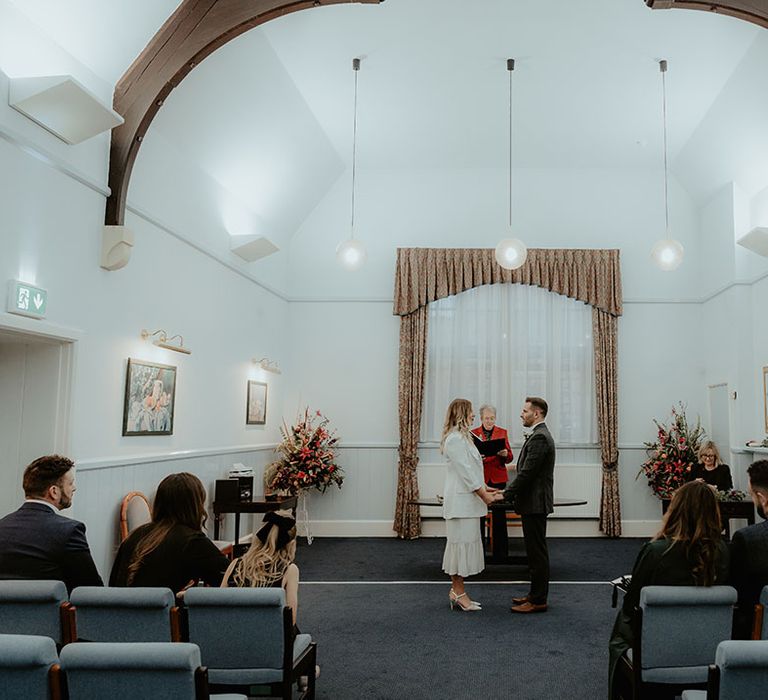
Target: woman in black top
<point>172,551</point>
<point>711,469</point>
<point>688,551</point>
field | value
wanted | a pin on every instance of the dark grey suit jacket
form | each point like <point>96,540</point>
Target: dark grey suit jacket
<point>38,544</point>
<point>749,573</point>
<point>532,491</point>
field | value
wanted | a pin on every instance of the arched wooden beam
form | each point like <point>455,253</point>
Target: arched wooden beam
<point>195,30</point>
<point>755,11</point>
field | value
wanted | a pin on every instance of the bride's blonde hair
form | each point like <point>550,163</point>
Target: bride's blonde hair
<point>457,418</point>
<point>266,562</point>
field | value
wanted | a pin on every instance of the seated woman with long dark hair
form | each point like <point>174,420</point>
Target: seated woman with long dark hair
<point>269,560</point>
<point>171,551</point>
<point>688,551</point>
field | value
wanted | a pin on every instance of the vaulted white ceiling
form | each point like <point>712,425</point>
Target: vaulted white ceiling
<point>269,115</point>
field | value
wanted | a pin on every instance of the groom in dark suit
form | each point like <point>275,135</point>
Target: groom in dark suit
<point>35,541</point>
<point>749,554</point>
<point>531,494</point>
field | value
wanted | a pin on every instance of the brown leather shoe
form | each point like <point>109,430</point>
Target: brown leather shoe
<point>520,601</point>
<point>529,607</point>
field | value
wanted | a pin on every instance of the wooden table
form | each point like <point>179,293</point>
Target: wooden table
<point>499,553</point>
<point>238,507</point>
<point>729,510</point>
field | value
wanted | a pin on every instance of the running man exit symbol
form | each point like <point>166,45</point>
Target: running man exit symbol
<point>26,299</point>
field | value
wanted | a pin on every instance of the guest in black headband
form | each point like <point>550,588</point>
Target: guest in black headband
<point>269,561</point>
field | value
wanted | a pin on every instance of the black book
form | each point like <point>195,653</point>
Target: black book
<point>489,447</point>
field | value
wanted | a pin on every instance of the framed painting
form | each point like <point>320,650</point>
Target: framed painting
<point>256,406</point>
<point>150,396</point>
<point>765,397</point>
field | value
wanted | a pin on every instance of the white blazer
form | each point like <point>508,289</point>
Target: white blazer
<point>463,476</point>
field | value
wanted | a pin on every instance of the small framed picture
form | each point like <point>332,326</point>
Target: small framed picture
<point>150,397</point>
<point>765,396</point>
<point>256,406</point>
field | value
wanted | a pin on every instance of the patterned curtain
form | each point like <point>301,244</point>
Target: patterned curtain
<point>604,338</point>
<point>413,351</point>
<point>427,274</point>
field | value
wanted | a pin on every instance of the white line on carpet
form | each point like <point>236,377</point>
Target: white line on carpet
<point>443,583</point>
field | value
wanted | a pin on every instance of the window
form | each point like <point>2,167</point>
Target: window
<point>499,343</point>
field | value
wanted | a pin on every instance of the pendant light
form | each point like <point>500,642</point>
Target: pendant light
<point>350,254</point>
<point>511,252</point>
<point>667,254</point>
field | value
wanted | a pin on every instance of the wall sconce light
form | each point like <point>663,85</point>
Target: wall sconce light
<point>163,341</point>
<point>267,365</point>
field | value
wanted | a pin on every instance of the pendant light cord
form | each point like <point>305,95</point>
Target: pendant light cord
<point>356,69</point>
<point>510,68</point>
<point>663,69</point>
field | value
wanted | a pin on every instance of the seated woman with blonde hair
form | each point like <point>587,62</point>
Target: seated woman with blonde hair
<point>268,563</point>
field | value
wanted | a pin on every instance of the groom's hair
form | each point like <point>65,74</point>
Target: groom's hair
<point>758,475</point>
<point>538,402</point>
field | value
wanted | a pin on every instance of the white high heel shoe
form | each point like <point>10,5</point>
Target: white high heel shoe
<point>453,599</point>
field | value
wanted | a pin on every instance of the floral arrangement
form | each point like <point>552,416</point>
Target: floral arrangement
<point>732,495</point>
<point>307,457</point>
<point>674,453</point>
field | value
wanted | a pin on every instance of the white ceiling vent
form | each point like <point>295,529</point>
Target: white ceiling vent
<point>63,106</point>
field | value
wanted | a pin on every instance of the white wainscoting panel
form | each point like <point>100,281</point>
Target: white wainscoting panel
<point>100,493</point>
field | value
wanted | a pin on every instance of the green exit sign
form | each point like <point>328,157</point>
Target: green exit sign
<point>26,299</point>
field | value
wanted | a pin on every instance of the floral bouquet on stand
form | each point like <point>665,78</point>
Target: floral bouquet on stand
<point>674,453</point>
<point>307,461</point>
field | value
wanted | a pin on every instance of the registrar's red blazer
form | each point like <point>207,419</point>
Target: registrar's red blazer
<point>494,467</point>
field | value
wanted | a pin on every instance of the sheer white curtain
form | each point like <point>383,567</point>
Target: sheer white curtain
<point>499,343</point>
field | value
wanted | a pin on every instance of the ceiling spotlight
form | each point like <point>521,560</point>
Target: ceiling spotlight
<point>668,253</point>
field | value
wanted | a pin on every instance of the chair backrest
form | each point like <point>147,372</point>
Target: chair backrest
<point>161,670</point>
<point>682,625</point>
<point>134,511</point>
<point>743,669</point>
<point>237,628</point>
<point>33,607</point>
<point>25,663</point>
<point>106,614</point>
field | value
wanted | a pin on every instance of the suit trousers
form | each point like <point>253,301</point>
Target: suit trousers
<point>535,536</point>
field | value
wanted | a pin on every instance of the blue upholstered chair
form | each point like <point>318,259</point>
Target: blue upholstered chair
<point>25,665</point>
<point>740,672</point>
<point>106,614</point>
<point>677,630</point>
<point>246,639</point>
<point>36,607</point>
<point>150,671</point>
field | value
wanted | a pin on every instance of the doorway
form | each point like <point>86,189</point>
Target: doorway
<point>36,371</point>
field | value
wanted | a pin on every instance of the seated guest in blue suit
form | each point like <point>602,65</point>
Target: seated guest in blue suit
<point>172,551</point>
<point>749,554</point>
<point>688,551</point>
<point>36,542</point>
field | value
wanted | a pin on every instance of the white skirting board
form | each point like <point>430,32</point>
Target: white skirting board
<point>556,527</point>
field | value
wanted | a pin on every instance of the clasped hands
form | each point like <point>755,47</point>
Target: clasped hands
<point>493,495</point>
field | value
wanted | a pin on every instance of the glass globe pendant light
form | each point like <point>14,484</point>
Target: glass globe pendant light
<point>350,254</point>
<point>667,254</point>
<point>511,252</point>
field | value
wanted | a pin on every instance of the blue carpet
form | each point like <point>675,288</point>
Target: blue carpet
<point>402,640</point>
